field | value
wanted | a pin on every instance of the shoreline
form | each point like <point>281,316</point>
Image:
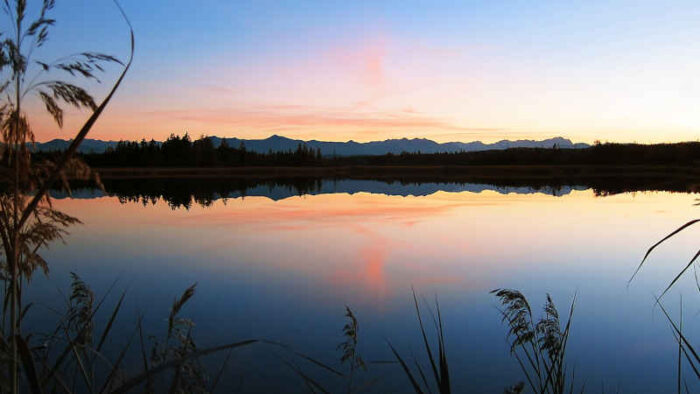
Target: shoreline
<point>542,172</point>
<point>604,179</point>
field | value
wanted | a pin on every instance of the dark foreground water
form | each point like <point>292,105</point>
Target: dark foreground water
<point>282,261</point>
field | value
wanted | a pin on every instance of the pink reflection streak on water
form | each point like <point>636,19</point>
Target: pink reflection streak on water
<point>361,214</point>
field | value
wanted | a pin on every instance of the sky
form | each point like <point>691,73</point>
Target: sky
<point>358,70</point>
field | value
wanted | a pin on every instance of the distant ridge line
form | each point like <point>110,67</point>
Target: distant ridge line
<point>350,148</point>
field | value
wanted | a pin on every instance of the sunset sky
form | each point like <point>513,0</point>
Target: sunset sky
<point>370,70</point>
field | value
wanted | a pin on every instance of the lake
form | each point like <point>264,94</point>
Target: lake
<point>281,262</point>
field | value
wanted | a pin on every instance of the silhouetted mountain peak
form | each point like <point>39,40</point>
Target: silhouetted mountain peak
<point>276,137</point>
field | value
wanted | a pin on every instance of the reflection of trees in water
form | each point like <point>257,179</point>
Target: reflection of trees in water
<point>183,193</point>
<point>612,186</point>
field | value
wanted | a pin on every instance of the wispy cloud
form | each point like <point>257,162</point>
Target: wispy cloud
<point>349,121</point>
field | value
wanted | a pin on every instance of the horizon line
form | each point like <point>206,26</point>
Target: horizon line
<point>371,141</point>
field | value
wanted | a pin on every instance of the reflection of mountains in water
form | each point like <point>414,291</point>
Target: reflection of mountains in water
<point>352,186</point>
<point>183,192</point>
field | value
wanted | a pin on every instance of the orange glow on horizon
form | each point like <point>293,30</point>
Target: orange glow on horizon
<point>382,88</point>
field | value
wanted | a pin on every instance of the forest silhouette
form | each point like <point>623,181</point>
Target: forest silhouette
<point>182,151</point>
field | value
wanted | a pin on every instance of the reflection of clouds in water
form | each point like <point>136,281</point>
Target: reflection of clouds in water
<point>365,271</point>
<point>377,243</point>
<point>293,217</point>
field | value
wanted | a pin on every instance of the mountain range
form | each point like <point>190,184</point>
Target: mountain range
<point>350,148</point>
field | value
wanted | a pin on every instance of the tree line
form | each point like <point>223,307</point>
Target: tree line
<point>182,151</point>
<point>608,154</point>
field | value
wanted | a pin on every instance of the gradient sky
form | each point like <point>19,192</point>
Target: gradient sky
<point>369,70</point>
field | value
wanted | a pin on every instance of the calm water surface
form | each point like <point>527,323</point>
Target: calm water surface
<point>280,266</point>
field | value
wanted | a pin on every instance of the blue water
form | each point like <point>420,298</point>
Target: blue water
<point>280,266</point>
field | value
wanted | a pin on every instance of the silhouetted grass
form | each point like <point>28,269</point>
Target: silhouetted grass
<point>539,346</point>
<point>70,359</point>
<point>28,222</point>
<point>664,239</point>
<point>353,361</point>
<point>440,368</point>
<point>684,346</point>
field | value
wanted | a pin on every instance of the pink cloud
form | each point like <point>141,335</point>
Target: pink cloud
<point>363,62</point>
<point>291,117</point>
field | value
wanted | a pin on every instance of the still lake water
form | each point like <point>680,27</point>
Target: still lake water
<point>282,266</point>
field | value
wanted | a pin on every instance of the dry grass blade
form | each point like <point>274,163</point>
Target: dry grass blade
<point>144,358</point>
<point>525,371</point>
<point>686,354</point>
<point>564,342</point>
<point>73,147</point>
<point>63,385</point>
<point>117,363</point>
<point>175,383</point>
<point>673,282</point>
<point>24,311</point>
<point>79,361</point>
<point>679,371</point>
<point>404,366</point>
<point>29,367</point>
<point>137,380</point>
<point>573,378</point>
<point>217,379</point>
<point>422,376</point>
<point>436,375</point>
<point>686,343</point>
<point>105,333</point>
<point>311,383</point>
<point>304,356</point>
<point>646,255</point>
<point>444,367</point>
<point>177,305</point>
